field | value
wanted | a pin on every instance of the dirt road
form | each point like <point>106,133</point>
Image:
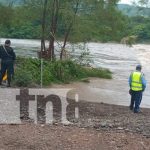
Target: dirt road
<point>100,127</point>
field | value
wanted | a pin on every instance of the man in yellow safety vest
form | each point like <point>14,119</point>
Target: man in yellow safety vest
<point>137,85</point>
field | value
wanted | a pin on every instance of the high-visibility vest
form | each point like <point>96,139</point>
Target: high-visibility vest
<point>136,82</point>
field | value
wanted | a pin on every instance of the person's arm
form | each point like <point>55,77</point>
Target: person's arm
<point>143,82</point>
<point>129,80</point>
<point>13,55</point>
<point>0,52</point>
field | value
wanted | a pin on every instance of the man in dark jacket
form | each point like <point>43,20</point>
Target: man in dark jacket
<point>8,57</point>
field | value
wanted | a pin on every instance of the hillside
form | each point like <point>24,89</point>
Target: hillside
<point>15,2</point>
<point>133,10</point>
<point>129,10</point>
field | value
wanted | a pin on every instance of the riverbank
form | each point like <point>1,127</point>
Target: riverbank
<point>100,127</point>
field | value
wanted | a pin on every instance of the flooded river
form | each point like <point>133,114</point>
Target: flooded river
<point>120,59</point>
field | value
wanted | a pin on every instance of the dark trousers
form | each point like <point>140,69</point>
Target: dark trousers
<point>7,66</point>
<point>136,98</point>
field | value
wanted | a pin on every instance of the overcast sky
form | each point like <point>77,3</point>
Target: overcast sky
<point>126,1</point>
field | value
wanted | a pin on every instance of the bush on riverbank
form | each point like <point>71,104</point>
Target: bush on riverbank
<point>27,72</point>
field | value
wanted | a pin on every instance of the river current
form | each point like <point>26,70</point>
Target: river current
<point>120,59</point>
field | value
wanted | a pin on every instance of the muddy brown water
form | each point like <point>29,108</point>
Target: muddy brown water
<point>120,59</point>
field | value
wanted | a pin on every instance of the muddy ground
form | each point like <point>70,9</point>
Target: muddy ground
<point>100,127</point>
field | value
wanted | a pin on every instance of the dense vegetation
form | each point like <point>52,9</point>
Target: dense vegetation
<point>93,23</point>
<point>140,26</point>
<point>27,72</point>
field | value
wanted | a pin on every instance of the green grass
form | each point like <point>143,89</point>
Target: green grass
<point>27,72</point>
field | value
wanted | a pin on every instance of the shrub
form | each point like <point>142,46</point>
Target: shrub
<point>22,78</point>
<point>99,72</point>
<point>28,72</point>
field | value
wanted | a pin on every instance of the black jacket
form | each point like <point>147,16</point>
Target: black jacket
<point>7,56</point>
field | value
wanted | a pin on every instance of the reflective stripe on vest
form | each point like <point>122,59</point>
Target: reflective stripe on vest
<point>136,83</point>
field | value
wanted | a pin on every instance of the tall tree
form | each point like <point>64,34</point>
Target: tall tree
<point>76,4</point>
<point>54,20</point>
<point>7,17</point>
<point>43,26</point>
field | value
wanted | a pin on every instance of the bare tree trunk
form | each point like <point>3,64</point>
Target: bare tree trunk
<point>53,28</point>
<point>43,27</point>
<point>68,30</point>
